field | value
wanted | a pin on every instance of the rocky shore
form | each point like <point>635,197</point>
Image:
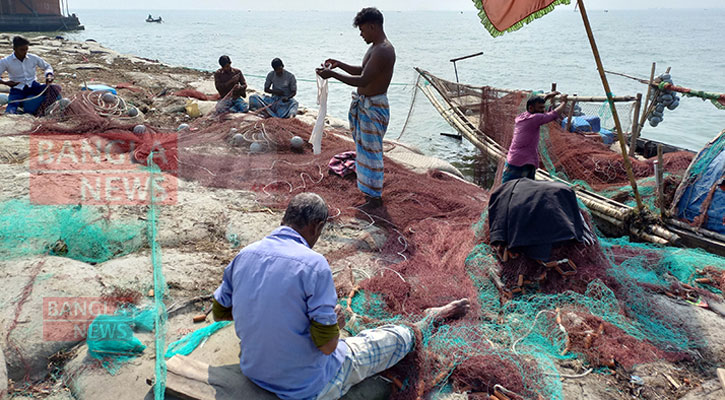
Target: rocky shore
<point>198,235</point>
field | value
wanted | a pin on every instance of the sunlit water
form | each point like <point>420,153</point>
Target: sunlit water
<point>552,49</point>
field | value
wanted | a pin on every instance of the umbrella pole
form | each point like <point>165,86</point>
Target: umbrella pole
<point>618,125</point>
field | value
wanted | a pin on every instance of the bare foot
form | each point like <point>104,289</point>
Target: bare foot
<point>453,310</point>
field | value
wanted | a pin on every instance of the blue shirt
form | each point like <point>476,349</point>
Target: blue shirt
<point>275,287</point>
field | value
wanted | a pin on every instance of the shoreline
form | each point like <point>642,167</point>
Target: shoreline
<point>198,236</point>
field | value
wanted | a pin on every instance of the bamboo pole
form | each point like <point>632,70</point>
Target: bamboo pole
<point>646,100</point>
<point>618,125</point>
<point>660,176</point>
<point>570,116</point>
<point>635,125</point>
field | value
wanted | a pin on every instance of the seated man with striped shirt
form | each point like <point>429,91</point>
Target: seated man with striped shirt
<point>281,296</point>
<point>25,90</point>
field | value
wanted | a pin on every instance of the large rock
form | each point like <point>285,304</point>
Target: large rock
<point>701,323</point>
<point>153,81</point>
<point>24,285</point>
<point>709,390</point>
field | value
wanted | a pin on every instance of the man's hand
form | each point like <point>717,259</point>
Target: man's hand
<point>9,83</point>
<point>324,73</point>
<point>49,78</point>
<point>563,98</point>
<point>340,316</point>
<point>331,63</point>
<point>551,95</point>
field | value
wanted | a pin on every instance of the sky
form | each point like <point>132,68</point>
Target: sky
<point>353,5</point>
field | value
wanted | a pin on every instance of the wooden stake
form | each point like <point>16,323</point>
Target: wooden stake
<point>660,179</point>
<point>646,100</point>
<point>571,115</point>
<point>607,89</point>
<point>635,125</point>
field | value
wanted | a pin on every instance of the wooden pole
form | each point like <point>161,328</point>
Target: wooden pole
<point>570,116</point>
<point>646,100</point>
<point>635,125</point>
<point>660,176</point>
<point>618,125</point>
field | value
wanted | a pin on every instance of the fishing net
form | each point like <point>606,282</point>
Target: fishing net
<point>580,158</point>
<point>436,250</point>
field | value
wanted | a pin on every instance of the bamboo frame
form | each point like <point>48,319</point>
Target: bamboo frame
<point>601,207</point>
<point>635,125</point>
<point>608,91</point>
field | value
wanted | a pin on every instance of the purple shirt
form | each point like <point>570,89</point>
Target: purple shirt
<point>275,287</point>
<point>525,144</point>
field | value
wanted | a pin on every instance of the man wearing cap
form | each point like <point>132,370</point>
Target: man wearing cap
<point>282,85</point>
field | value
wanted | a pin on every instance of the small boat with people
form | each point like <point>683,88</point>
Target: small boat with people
<point>152,19</point>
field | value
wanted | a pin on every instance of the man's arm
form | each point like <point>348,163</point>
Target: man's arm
<point>268,86</point>
<point>350,69</point>
<point>372,68</point>
<point>47,68</point>
<point>222,307</point>
<point>3,68</point>
<point>321,302</point>
<point>292,87</point>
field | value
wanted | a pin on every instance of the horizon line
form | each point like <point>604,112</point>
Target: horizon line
<point>389,10</point>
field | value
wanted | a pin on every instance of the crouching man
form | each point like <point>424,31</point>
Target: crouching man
<point>282,298</point>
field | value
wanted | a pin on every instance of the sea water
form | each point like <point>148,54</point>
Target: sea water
<point>552,49</point>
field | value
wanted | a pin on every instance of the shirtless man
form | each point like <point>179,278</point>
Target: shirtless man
<point>369,112</point>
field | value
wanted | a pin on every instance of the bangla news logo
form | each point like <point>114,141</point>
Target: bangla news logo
<point>96,170</point>
<point>68,319</point>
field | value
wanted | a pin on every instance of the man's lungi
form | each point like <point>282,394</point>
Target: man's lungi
<point>369,117</point>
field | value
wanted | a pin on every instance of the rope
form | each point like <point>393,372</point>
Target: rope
<point>31,98</point>
<point>315,81</point>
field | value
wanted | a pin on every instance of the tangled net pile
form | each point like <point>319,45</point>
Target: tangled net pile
<point>436,251</point>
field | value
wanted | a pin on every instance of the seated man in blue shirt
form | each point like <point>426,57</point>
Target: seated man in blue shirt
<point>282,298</point>
<point>282,85</point>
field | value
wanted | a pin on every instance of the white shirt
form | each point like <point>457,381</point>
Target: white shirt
<point>23,71</point>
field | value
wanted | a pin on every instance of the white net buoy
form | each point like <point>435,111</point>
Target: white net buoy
<point>238,139</point>
<point>108,97</point>
<point>182,127</point>
<point>139,129</point>
<point>297,143</point>
<point>256,148</point>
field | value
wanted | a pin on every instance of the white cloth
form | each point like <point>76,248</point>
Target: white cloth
<point>316,137</point>
<point>371,351</point>
<point>23,71</point>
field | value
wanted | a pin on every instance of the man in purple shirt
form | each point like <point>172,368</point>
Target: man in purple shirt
<point>523,155</point>
<point>282,298</point>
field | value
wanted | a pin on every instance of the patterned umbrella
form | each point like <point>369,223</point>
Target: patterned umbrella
<point>500,16</point>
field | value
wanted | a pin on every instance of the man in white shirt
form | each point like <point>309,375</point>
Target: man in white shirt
<point>21,67</point>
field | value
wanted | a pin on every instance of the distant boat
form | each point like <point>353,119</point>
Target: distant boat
<point>152,19</point>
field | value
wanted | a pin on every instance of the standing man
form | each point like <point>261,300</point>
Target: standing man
<point>21,67</point>
<point>523,155</point>
<point>282,85</point>
<point>369,112</point>
<point>282,299</point>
